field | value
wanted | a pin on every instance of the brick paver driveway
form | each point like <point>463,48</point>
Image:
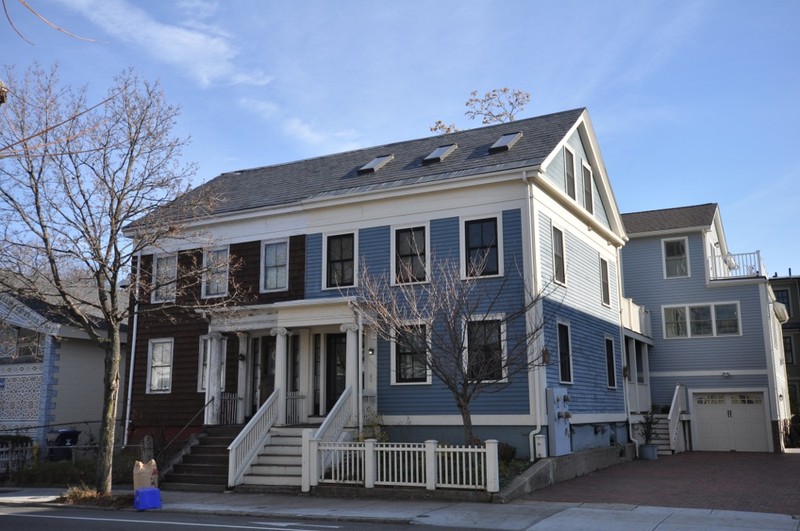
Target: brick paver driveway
<point>741,481</point>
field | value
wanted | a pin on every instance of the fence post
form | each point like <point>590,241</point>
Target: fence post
<point>492,467</point>
<point>430,464</point>
<point>369,463</point>
<point>305,461</point>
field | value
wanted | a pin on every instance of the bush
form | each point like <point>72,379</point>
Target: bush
<point>77,472</point>
<point>505,452</point>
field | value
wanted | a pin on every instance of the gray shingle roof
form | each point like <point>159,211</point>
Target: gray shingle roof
<point>332,175</point>
<point>669,218</point>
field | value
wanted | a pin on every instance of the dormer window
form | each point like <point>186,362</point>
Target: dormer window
<point>505,142</point>
<point>439,154</point>
<point>375,164</point>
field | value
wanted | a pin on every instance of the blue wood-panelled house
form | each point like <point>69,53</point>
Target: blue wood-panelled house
<point>533,195</point>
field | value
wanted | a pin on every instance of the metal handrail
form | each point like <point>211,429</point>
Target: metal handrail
<point>251,439</point>
<point>184,428</point>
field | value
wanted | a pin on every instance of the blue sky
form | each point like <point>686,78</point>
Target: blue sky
<point>692,101</point>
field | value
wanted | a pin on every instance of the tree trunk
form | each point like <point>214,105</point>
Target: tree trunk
<point>105,454</point>
<point>466,418</point>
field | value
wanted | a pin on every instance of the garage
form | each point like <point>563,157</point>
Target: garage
<point>730,422</point>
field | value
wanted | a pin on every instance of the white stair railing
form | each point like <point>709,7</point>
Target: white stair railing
<point>677,407</point>
<point>251,439</point>
<point>331,430</point>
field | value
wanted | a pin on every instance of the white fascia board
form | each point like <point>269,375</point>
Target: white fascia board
<point>667,232</point>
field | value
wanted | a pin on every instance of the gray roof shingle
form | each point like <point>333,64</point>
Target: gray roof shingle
<point>332,175</point>
<point>669,218</point>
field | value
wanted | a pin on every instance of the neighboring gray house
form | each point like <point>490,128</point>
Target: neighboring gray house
<point>787,292</point>
<point>51,374</point>
<point>717,354</point>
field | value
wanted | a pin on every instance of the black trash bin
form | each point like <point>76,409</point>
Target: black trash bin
<point>62,446</point>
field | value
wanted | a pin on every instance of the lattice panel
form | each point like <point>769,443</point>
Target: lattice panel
<point>19,397</point>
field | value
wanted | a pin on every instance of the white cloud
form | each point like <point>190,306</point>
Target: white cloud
<point>204,51</point>
<point>326,142</point>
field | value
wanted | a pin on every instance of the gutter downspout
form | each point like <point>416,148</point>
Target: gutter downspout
<point>133,348</point>
<point>624,345</point>
<point>535,385</point>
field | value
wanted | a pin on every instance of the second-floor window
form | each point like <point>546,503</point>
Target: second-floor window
<point>275,263</point>
<point>341,260</point>
<point>676,258</point>
<point>215,274</point>
<point>782,296</point>
<point>605,283</point>
<point>588,202</point>
<point>410,255</point>
<point>788,350</point>
<point>701,320</point>
<point>559,261</point>
<point>481,247</point>
<point>569,172</point>
<point>165,274</point>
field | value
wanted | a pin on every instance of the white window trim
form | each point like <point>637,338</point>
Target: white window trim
<point>608,273</point>
<point>462,239</point>
<point>153,297</point>
<point>606,339</point>
<point>688,322</point>
<point>150,345</point>
<point>574,174</point>
<point>553,253</point>
<point>393,358</point>
<point>262,277</point>
<point>393,252</point>
<point>664,257</point>
<point>325,237</point>
<point>571,358</point>
<point>206,272</point>
<point>503,344</point>
<point>585,165</point>
<point>201,385</point>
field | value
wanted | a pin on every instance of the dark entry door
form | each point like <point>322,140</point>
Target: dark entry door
<point>264,369</point>
<point>335,363</point>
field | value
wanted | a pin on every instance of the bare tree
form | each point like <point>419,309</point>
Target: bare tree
<point>496,106</point>
<point>473,335</point>
<point>75,179</point>
<point>38,15</point>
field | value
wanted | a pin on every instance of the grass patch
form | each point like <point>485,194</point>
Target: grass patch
<point>511,469</point>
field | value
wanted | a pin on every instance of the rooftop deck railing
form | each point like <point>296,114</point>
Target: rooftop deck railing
<point>734,266</point>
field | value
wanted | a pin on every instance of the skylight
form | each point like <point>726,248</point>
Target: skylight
<point>505,142</point>
<point>440,153</point>
<point>375,164</point>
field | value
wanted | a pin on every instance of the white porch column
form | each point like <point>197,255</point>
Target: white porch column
<point>281,368</point>
<point>213,379</point>
<point>351,363</point>
<point>242,394</point>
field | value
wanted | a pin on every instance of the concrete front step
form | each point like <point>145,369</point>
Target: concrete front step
<point>273,481</point>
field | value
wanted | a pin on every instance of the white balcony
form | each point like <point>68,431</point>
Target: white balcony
<point>735,266</point>
<point>635,318</point>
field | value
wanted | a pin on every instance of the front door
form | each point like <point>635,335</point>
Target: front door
<point>335,363</point>
<point>263,349</point>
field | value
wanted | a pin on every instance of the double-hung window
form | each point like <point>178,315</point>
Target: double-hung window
<point>559,260</point>
<point>564,354</point>
<point>676,258</point>
<point>215,273</point>
<point>205,356</point>
<point>341,252</point>
<point>588,198</point>
<point>701,320</point>
<point>159,365</point>
<point>410,255</point>
<point>611,365</point>
<point>165,274</point>
<point>410,351</point>
<point>788,350</point>
<point>485,361</point>
<point>569,172</point>
<point>782,296</point>
<point>275,266</point>
<point>605,283</point>
<point>481,247</point>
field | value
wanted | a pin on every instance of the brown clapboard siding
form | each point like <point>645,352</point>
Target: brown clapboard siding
<point>248,274</point>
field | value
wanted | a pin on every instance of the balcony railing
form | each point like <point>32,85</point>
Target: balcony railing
<point>635,318</point>
<point>734,266</point>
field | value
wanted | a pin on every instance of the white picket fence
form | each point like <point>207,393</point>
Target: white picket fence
<point>372,463</point>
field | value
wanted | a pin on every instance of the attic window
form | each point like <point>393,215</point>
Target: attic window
<point>440,153</point>
<point>505,142</point>
<point>375,164</point>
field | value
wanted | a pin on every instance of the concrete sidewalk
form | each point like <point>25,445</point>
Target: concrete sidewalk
<point>517,515</point>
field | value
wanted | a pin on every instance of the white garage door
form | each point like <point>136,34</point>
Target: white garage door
<point>730,421</point>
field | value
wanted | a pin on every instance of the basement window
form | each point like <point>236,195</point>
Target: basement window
<point>375,164</point>
<point>505,142</point>
<point>440,153</point>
